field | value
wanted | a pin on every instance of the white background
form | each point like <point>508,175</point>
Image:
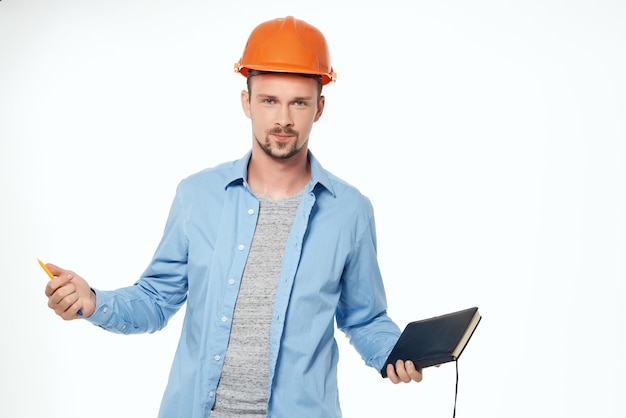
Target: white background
<point>489,135</point>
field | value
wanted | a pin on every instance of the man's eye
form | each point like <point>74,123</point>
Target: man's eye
<point>268,101</point>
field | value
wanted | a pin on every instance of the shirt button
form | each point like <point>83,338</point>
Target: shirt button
<point>241,247</point>
<point>211,394</point>
<point>250,211</point>
<point>105,309</point>
<point>224,319</point>
<point>231,281</point>
<point>216,357</point>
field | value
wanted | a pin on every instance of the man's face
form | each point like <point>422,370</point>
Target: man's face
<point>282,108</point>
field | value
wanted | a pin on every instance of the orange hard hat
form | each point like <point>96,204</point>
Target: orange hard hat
<point>287,45</point>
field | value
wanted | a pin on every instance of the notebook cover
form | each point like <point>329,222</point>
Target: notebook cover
<point>432,341</point>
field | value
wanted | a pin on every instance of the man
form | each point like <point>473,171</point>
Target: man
<point>266,252</point>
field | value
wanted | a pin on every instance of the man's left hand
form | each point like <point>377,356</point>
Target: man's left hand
<point>405,371</point>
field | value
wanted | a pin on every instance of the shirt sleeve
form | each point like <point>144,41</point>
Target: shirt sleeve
<point>147,305</point>
<point>362,310</point>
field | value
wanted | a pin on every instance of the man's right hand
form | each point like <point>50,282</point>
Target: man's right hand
<point>69,293</point>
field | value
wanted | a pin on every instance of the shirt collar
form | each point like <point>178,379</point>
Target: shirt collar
<point>238,173</point>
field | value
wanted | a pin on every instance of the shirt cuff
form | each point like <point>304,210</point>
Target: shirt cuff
<point>102,314</point>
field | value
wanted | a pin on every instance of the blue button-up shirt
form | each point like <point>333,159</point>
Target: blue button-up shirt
<point>330,272</point>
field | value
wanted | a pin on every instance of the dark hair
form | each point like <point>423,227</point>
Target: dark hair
<point>316,77</point>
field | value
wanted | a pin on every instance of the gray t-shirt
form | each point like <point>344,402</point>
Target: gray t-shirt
<point>243,386</point>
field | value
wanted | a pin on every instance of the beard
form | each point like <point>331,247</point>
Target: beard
<point>281,151</point>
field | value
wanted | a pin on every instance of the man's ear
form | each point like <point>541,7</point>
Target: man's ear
<point>245,102</point>
<point>320,108</point>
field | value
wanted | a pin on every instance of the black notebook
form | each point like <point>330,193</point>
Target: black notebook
<point>435,340</point>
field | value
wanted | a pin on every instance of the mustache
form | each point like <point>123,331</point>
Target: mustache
<point>278,130</point>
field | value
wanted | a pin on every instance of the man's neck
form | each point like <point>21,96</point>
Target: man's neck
<point>278,179</point>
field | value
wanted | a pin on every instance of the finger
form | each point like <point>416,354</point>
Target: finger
<point>401,372</point>
<point>55,284</point>
<point>414,372</point>
<point>391,374</point>
<point>61,292</point>
<point>63,297</point>
<point>67,309</point>
<point>66,302</point>
<point>54,269</point>
<point>72,312</point>
<point>60,273</point>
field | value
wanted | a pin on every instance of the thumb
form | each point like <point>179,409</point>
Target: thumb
<point>54,269</point>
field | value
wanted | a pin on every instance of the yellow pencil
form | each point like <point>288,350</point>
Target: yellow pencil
<point>49,273</point>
